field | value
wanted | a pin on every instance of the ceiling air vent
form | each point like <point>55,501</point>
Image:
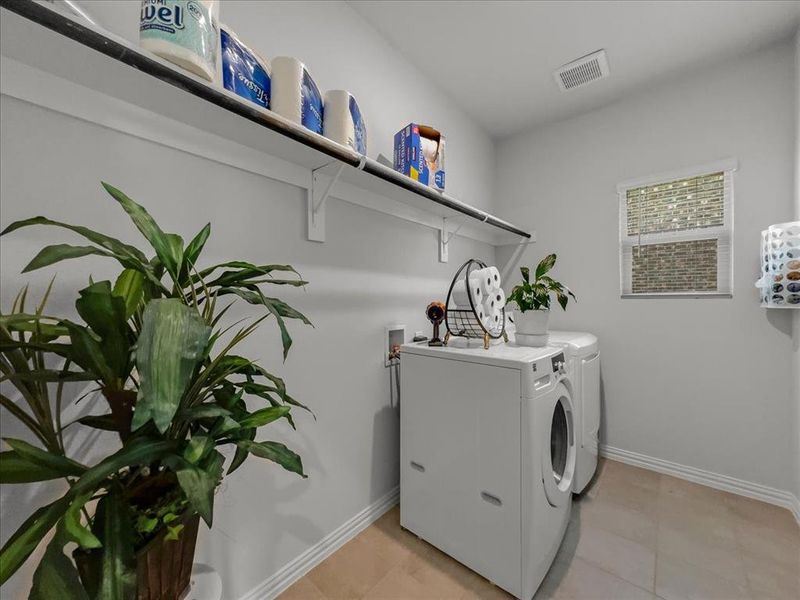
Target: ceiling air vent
<point>579,72</point>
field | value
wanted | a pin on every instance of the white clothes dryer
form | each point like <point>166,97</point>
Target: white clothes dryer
<point>487,450</point>
<point>583,364</point>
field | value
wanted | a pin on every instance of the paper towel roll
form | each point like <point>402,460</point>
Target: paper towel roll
<point>460,293</point>
<point>184,32</point>
<point>343,122</point>
<point>295,96</point>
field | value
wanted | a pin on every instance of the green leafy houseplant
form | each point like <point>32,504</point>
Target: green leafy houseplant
<point>155,344</point>
<point>536,294</point>
<point>532,300</point>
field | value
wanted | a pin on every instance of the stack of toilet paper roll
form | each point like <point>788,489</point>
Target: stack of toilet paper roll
<point>488,297</point>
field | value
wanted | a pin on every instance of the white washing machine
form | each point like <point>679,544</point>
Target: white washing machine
<point>583,360</point>
<point>487,450</point>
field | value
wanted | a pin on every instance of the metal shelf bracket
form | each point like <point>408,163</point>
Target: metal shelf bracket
<point>318,193</point>
<point>323,179</point>
<point>445,237</point>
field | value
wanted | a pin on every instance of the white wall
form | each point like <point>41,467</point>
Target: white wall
<point>373,270</point>
<point>704,383</point>
<point>796,315</point>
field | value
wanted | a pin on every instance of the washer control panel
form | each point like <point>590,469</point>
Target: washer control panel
<point>559,364</point>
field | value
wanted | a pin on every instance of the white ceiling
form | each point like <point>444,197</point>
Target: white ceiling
<point>496,59</point>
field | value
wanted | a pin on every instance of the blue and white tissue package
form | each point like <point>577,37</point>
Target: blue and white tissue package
<point>359,127</point>
<point>243,71</point>
<point>419,154</point>
<point>295,96</point>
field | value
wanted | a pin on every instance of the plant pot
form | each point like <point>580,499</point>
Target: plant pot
<point>532,327</point>
<point>163,567</point>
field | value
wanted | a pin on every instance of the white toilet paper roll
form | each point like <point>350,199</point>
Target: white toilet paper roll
<point>498,298</point>
<point>488,307</point>
<point>480,312</point>
<point>495,321</point>
<point>486,281</point>
<point>295,96</point>
<point>460,293</point>
<point>343,122</point>
<point>495,275</point>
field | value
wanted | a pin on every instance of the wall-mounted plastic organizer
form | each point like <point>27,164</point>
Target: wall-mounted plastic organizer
<point>780,266</point>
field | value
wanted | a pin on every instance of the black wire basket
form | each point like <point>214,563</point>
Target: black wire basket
<point>464,322</point>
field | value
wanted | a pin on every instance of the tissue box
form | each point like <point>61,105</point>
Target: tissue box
<point>411,145</point>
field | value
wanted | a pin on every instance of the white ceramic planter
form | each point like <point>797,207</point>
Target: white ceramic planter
<point>532,327</point>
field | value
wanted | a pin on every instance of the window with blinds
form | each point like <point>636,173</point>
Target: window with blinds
<point>676,233</point>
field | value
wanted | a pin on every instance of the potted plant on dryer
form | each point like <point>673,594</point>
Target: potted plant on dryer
<point>156,345</point>
<point>531,301</point>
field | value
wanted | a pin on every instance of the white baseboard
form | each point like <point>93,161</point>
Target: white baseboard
<point>796,508</point>
<point>725,483</point>
<point>295,569</point>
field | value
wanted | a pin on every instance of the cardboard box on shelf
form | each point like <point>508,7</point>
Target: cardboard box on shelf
<point>419,153</point>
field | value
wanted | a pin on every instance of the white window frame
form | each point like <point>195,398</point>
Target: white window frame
<point>723,234</point>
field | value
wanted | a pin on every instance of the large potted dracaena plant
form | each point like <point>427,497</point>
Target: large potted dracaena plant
<point>155,344</point>
<point>531,302</point>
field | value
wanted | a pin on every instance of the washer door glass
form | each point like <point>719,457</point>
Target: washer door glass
<point>558,456</point>
<point>559,441</point>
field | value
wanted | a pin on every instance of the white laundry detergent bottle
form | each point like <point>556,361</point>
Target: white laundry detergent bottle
<point>183,32</point>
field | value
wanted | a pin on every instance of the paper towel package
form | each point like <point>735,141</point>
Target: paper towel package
<point>295,96</point>
<point>183,32</point>
<point>243,71</point>
<point>419,153</point>
<point>343,122</point>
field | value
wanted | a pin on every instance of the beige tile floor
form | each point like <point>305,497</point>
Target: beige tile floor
<point>634,535</point>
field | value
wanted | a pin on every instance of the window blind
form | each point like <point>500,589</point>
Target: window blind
<point>676,233</point>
